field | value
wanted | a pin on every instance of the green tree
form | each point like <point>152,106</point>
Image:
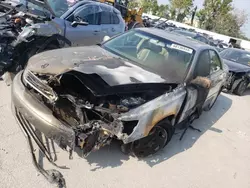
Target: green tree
<point>163,11</point>
<point>219,16</point>
<point>152,7</point>
<point>133,4</point>
<point>214,9</point>
<point>180,9</point>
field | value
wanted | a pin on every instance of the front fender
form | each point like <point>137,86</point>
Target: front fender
<point>152,112</point>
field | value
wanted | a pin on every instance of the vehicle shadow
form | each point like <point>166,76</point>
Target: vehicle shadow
<point>204,123</point>
<point>247,92</point>
<point>111,156</point>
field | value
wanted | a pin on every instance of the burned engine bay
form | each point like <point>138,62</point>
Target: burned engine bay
<point>89,106</point>
<point>17,31</point>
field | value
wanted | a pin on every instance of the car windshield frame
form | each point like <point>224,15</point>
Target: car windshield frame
<point>50,6</point>
<point>227,52</point>
<point>136,61</point>
<point>68,4</point>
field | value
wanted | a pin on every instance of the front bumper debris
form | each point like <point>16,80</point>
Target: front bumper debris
<point>40,116</point>
<point>28,120</point>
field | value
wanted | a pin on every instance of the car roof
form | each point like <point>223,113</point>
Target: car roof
<point>186,32</point>
<point>181,39</point>
<point>238,50</point>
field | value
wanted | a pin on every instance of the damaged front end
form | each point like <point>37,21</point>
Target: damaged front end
<point>237,82</point>
<point>80,110</point>
<point>24,33</point>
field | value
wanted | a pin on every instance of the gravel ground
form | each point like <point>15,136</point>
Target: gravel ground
<point>219,156</point>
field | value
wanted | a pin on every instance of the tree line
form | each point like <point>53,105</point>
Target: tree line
<point>216,15</point>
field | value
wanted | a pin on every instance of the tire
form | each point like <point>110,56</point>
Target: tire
<point>241,88</point>
<point>158,138</point>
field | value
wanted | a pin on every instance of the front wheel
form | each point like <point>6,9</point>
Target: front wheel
<point>241,88</point>
<point>157,138</point>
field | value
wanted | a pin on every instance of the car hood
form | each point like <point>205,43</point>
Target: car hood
<point>92,60</point>
<point>236,67</point>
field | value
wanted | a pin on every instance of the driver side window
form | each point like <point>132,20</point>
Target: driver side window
<point>87,13</point>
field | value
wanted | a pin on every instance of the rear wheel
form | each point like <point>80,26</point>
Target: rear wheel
<point>241,88</point>
<point>158,137</point>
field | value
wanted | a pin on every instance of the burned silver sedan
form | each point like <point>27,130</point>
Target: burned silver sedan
<point>136,87</point>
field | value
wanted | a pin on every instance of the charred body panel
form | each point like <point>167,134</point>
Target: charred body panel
<point>118,107</point>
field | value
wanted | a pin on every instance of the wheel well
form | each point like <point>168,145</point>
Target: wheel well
<point>166,123</point>
<point>54,42</point>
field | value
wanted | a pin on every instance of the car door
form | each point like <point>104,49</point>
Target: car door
<point>84,35</point>
<point>109,23</point>
<point>202,69</point>
<point>216,74</point>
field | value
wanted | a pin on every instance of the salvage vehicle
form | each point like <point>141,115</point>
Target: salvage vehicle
<point>136,87</point>
<point>34,26</point>
<point>238,62</point>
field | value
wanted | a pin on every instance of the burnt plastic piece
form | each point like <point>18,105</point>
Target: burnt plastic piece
<point>53,176</point>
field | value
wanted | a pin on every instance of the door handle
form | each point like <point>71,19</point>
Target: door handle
<point>113,29</point>
<point>96,32</point>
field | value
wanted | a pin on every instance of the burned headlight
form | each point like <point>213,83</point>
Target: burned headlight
<point>29,78</point>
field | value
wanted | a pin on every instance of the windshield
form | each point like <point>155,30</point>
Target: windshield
<point>238,56</point>
<point>164,57</point>
<point>59,7</point>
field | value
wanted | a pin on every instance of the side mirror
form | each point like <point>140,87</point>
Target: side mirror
<point>76,23</point>
<point>106,38</point>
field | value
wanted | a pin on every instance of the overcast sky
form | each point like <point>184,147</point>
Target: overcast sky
<point>239,4</point>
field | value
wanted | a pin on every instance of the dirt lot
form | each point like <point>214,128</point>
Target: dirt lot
<point>219,156</point>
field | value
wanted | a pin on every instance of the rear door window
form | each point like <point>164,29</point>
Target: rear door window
<point>109,18</point>
<point>105,18</point>
<point>114,19</point>
<point>87,13</point>
<point>215,63</point>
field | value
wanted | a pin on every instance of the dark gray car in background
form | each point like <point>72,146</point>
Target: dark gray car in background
<point>238,62</point>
